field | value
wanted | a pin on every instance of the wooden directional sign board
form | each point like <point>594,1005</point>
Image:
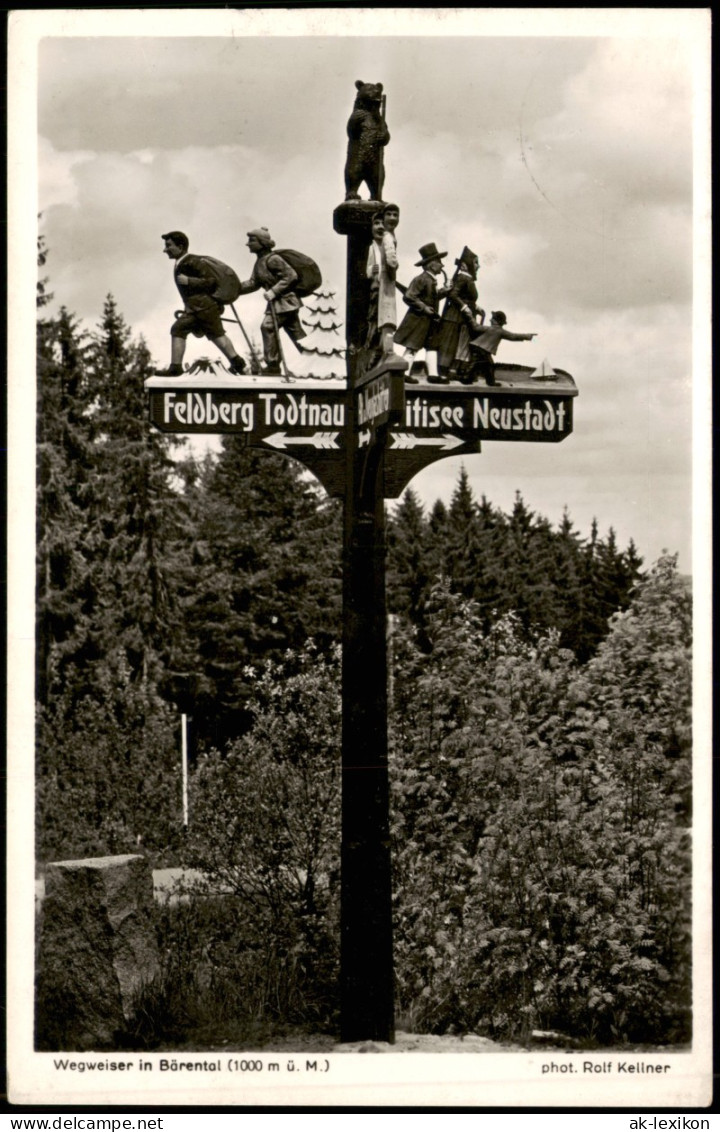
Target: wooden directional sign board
<point>307,418</point>
<point>303,419</point>
<point>380,397</point>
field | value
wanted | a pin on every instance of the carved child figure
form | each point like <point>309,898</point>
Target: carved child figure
<point>484,346</point>
<point>367,134</point>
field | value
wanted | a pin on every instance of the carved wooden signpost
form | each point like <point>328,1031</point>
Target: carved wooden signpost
<point>364,439</point>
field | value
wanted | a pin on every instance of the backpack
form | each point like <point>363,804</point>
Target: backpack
<point>308,272</point>
<point>228,284</point>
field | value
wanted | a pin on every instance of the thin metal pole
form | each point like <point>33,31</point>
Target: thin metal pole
<point>184,769</point>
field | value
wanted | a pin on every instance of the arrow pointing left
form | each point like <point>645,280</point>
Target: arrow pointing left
<point>315,440</point>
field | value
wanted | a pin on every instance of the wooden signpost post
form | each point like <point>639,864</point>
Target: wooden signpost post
<point>364,439</point>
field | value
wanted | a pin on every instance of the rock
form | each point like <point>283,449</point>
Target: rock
<point>97,947</point>
<point>552,1038</point>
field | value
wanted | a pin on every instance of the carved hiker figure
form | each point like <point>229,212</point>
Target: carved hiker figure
<point>198,284</point>
<point>485,345</point>
<point>416,329</point>
<point>367,134</point>
<point>279,282</point>
<point>459,318</point>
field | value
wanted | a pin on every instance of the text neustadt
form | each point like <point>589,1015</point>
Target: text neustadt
<point>481,413</point>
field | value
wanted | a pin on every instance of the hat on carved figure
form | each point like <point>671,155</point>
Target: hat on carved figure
<point>263,237</point>
<point>427,253</point>
<point>468,256</point>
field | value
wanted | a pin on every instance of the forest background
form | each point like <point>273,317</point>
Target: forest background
<point>540,730</point>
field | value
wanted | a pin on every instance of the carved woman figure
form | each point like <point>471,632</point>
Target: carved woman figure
<point>459,317</point>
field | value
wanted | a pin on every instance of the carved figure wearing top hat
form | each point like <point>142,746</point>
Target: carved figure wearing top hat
<point>416,329</point>
<point>459,316</point>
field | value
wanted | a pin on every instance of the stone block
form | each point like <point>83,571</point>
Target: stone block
<point>97,946</point>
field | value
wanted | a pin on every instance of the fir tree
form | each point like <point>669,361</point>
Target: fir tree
<point>410,565</point>
<point>462,545</point>
<point>138,519</point>
<point>266,576</point>
<point>65,470</point>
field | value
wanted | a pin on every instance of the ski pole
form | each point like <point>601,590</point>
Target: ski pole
<point>255,358</point>
<point>283,366</point>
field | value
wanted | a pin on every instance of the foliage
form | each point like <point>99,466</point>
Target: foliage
<point>508,563</point>
<point>110,784</point>
<point>264,829</point>
<point>265,577</point>
<point>540,726</point>
<point>542,855</point>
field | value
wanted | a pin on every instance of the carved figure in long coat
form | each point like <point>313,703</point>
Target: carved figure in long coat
<point>459,316</point>
<point>416,329</point>
<point>374,264</point>
<point>387,321</point>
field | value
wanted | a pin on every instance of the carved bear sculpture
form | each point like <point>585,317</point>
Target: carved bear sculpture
<point>368,134</point>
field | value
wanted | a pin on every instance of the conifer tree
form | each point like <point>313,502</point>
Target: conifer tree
<point>570,585</point>
<point>106,744</point>
<point>265,579</point>
<point>530,579</point>
<point>410,564</point>
<point>138,519</point>
<point>462,545</point>
<point>65,470</point>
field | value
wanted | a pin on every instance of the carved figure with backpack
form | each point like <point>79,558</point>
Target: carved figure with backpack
<point>205,285</point>
<point>285,277</point>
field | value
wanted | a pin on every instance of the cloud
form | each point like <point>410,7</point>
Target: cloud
<point>565,163</point>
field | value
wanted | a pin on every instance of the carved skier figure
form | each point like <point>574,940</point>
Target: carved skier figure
<point>416,329</point>
<point>202,315</point>
<point>277,279</point>
<point>459,318</point>
<point>484,346</point>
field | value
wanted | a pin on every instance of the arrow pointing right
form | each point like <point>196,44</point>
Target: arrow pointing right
<point>404,440</point>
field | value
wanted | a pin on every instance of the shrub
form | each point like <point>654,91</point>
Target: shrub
<point>541,851</point>
<point>264,831</point>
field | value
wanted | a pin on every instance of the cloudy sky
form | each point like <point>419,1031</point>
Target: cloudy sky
<point>557,144</point>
